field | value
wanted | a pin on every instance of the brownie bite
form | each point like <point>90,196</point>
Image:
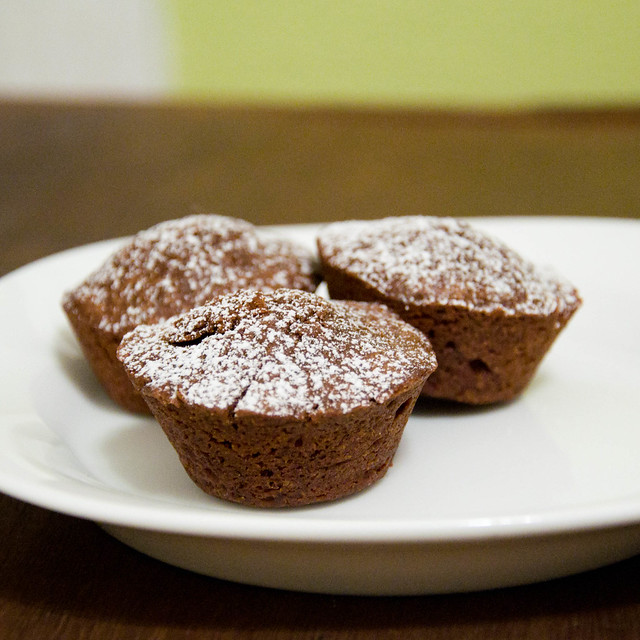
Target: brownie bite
<point>166,270</point>
<point>281,399</point>
<point>490,315</point>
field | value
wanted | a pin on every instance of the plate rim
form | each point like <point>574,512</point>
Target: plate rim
<point>621,513</point>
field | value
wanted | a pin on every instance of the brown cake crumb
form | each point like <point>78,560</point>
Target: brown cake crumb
<point>490,315</point>
<point>167,269</point>
<point>284,398</point>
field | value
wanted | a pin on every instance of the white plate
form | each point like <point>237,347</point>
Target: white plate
<point>546,486</point>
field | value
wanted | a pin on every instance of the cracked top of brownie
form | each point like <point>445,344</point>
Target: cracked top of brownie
<point>425,260</point>
<point>287,353</point>
<point>179,264</point>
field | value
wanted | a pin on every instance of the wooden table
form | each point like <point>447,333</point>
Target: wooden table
<point>70,174</point>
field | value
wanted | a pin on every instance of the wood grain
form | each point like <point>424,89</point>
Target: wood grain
<point>61,577</point>
<point>74,173</point>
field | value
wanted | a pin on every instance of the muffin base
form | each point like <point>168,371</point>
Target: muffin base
<point>99,348</point>
<point>483,358</point>
<point>278,462</point>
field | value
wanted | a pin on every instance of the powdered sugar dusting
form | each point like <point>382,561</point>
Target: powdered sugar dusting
<point>287,353</point>
<point>179,264</point>
<point>422,260</point>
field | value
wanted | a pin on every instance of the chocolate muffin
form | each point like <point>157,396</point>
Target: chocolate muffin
<point>166,270</point>
<point>281,399</point>
<point>490,315</point>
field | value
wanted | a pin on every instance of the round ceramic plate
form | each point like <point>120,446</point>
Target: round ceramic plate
<point>477,498</point>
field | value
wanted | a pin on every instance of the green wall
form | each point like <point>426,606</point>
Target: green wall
<point>441,54</point>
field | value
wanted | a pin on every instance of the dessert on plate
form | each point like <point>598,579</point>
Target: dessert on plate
<point>166,270</point>
<point>490,315</point>
<point>281,399</point>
